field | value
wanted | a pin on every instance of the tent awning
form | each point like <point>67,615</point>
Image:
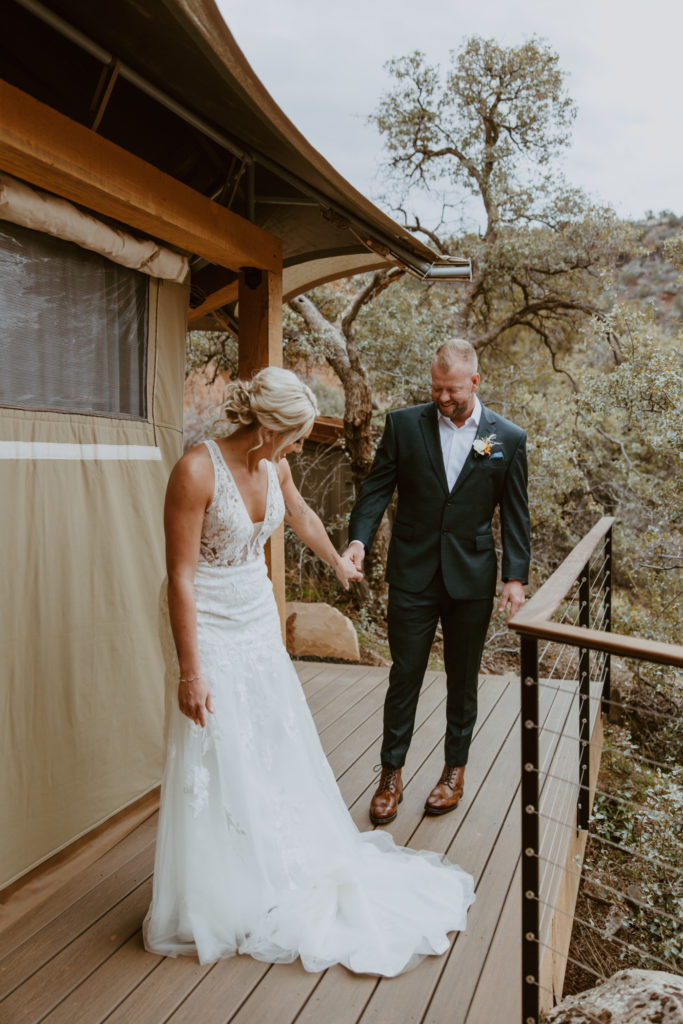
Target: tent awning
<point>166,80</point>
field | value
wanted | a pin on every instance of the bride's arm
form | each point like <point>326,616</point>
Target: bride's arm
<point>309,528</point>
<point>189,491</point>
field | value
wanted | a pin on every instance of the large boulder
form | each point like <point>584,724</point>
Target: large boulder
<point>628,997</point>
<point>321,631</point>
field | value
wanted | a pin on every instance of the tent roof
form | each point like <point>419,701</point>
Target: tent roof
<point>165,80</point>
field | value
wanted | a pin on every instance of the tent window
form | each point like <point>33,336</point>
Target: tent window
<point>74,334</point>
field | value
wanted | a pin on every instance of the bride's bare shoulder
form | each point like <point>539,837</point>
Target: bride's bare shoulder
<point>193,470</point>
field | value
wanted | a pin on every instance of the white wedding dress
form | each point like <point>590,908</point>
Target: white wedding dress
<point>256,851</point>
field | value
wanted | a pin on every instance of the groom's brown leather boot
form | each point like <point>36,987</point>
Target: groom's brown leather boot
<point>388,795</point>
<point>446,794</point>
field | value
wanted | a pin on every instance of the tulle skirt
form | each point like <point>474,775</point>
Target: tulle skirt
<point>256,851</point>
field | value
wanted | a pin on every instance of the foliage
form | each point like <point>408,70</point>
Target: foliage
<point>492,124</point>
<point>631,899</point>
<point>496,113</point>
<point>216,350</point>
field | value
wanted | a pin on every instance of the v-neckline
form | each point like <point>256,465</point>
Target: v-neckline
<point>259,522</point>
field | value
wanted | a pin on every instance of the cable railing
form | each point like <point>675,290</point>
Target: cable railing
<point>566,687</point>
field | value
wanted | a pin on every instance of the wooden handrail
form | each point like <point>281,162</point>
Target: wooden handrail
<point>547,598</point>
<point>599,640</point>
<point>534,618</point>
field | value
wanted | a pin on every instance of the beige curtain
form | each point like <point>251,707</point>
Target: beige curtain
<point>81,550</point>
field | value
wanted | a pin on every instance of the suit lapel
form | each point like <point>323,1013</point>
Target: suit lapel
<point>484,429</point>
<point>430,432</point>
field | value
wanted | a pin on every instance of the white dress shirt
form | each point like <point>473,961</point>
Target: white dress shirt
<point>456,442</point>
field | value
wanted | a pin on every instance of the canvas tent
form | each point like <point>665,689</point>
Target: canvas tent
<point>147,180</point>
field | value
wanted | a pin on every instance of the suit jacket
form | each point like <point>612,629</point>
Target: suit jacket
<point>436,528</point>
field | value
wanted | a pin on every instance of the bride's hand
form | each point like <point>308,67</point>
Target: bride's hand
<point>346,571</point>
<point>194,697</point>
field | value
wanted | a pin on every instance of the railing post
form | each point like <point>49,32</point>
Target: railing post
<point>530,832</point>
<point>583,799</point>
<point>607,674</point>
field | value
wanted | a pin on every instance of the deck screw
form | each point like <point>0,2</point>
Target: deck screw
<point>530,852</point>
<point>530,936</point>
<point>530,809</point>
<point>530,894</point>
<point>530,979</point>
<point>529,724</point>
<point>529,681</point>
<point>528,767</point>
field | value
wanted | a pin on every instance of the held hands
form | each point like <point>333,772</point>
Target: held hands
<point>512,597</point>
<point>194,697</point>
<point>346,570</point>
<point>356,552</point>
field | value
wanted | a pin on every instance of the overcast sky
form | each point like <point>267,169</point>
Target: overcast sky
<point>323,64</point>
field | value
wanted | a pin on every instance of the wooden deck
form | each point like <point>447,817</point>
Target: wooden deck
<point>78,956</point>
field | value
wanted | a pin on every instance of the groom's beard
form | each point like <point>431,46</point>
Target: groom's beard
<point>456,410</point>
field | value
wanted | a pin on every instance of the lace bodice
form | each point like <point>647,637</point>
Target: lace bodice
<point>229,537</point>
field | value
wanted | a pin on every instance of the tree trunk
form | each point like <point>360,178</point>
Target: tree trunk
<point>357,423</point>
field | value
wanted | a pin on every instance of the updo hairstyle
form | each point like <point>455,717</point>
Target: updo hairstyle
<point>275,399</point>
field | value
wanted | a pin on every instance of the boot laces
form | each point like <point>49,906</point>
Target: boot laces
<point>388,779</point>
<point>448,775</point>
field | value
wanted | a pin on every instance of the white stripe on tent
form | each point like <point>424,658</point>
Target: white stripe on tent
<point>58,450</point>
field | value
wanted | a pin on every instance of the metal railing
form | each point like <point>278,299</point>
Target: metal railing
<point>571,617</point>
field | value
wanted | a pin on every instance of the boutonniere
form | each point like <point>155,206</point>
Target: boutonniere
<point>482,446</point>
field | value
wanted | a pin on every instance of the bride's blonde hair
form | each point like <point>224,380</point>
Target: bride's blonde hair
<point>275,399</point>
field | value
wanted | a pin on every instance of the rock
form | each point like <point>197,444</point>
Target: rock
<point>628,997</point>
<point>374,658</point>
<point>320,630</point>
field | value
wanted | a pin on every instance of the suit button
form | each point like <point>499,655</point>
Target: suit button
<point>444,531</point>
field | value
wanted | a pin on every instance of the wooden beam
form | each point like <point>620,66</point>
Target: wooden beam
<point>47,149</point>
<point>212,302</point>
<point>260,319</point>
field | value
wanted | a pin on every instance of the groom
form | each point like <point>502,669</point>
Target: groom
<point>453,461</point>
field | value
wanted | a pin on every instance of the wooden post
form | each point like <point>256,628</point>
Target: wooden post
<point>530,790</point>
<point>260,344</point>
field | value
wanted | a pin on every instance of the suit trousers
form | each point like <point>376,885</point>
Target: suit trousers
<point>412,619</point>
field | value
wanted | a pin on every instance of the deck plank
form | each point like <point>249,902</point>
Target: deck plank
<point>221,993</point>
<point>336,685</point>
<point>25,960</point>
<point>470,845</point>
<point>49,985</point>
<point>103,989</point>
<point>481,838</point>
<point>460,979</point>
<point>366,739</point>
<point>498,998</point>
<point>79,956</point>
<point>77,887</point>
<point>435,834</point>
<point>161,992</point>
<point>348,696</point>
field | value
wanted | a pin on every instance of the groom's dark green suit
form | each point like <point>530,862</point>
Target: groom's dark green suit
<point>442,560</point>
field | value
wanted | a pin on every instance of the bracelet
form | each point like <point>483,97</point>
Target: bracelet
<point>189,679</point>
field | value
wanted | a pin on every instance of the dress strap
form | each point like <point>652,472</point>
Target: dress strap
<point>221,478</point>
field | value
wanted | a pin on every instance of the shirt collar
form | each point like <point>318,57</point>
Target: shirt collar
<point>472,420</point>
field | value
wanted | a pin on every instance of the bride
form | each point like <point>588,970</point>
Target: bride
<point>256,851</point>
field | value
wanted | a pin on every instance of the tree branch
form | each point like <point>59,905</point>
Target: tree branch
<point>380,280</point>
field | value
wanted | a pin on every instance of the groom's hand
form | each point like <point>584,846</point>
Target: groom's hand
<point>356,552</point>
<point>512,598</point>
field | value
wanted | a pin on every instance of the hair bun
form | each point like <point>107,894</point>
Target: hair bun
<point>237,405</point>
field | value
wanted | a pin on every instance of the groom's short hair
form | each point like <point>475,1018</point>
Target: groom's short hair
<point>455,351</point>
